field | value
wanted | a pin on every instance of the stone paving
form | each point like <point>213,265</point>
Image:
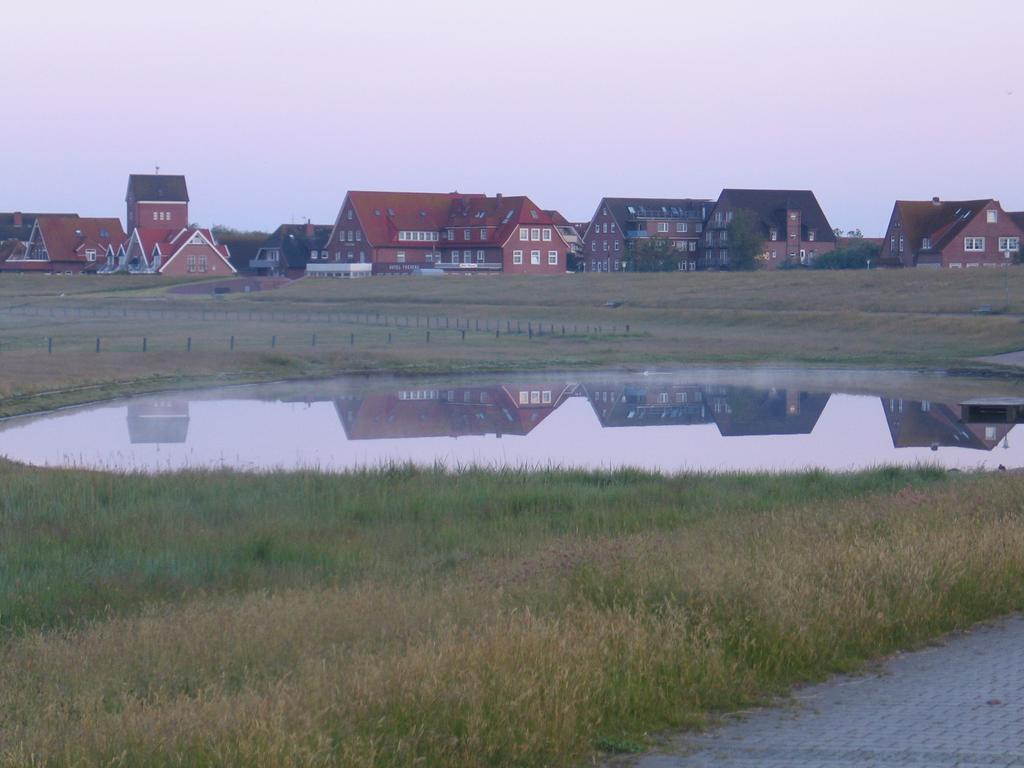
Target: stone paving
<point>959,704</point>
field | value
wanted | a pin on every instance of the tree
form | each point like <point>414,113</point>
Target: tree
<point>746,243</point>
<point>852,256</point>
<point>654,255</point>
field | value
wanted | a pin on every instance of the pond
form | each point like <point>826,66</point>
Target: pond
<point>689,420</point>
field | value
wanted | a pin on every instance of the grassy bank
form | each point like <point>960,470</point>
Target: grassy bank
<point>411,617</point>
<point>882,318</point>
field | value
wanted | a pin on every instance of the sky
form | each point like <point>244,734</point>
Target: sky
<point>272,110</point>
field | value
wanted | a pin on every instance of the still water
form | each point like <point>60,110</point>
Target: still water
<point>690,420</point>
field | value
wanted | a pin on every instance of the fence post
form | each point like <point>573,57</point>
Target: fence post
<point>232,345</point>
<point>428,337</point>
<point>273,341</point>
<point>313,341</point>
<point>351,339</point>
<point>389,337</point>
<point>531,331</point>
<point>144,340</point>
<point>563,330</point>
<point>188,347</point>
<point>627,327</point>
<point>463,335</point>
<point>97,345</point>
<point>49,345</point>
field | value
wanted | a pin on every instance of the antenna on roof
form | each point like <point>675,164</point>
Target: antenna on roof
<point>158,169</point>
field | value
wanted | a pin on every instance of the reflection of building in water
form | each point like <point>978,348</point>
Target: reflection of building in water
<point>621,404</point>
<point>922,423</point>
<point>745,411</point>
<point>736,410</point>
<point>158,421</point>
<point>450,411</point>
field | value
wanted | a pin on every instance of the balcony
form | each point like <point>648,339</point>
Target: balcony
<point>263,264</point>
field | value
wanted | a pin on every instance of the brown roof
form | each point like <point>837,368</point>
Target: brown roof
<point>770,206</point>
<point>156,188</point>
<point>626,209</point>
<point>939,221</point>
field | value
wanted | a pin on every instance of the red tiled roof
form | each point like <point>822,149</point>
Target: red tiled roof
<point>67,238</point>
<point>384,214</point>
<point>940,222</point>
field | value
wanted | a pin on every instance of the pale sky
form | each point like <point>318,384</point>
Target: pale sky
<point>273,109</point>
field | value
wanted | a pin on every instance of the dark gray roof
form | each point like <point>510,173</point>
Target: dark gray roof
<point>156,188</point>
<point>770,205</point>
<point>295,246</point>
<point>625,209</point>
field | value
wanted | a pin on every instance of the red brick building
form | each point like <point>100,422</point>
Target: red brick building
<point>398,232</point>
<point>161,240</point>
<point>791,222</point>
<point>954,234</point>
<point>620,223</point>
<point>65,244</point>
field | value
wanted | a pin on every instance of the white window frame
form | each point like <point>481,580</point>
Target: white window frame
<point>681,227</point>
<point>524,234</point>
<point>992,216</point>
<point>480,257</point>
<point>517,257</point>
<point>400,257</point>
<point>974,244</point>
<point>535,258</point>
<point>1011,244</point>
<point>535,234</point>
<point>546,235</point>
<point>662,226</point>
<point>552,258</point>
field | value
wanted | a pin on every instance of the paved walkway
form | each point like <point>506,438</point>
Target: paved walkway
<point>961,704</point>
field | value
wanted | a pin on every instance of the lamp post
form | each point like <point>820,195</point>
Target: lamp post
<point>1006,278</point>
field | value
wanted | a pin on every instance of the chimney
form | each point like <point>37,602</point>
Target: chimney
<point>17,219</point>
<point>935,201</point>
<point>309,228</point>
<point>497,197</point>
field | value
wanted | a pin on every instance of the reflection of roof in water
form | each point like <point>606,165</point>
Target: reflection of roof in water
<point>161,421</point>
<point>449,412</point>
<point>641,405</point>
<point>921,424</point>
<point>744,411</point>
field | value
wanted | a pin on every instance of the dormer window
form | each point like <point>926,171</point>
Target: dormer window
<point>926,243</point>
<point>773,234</point>
<point>992,216</point>
<point>810,235</point>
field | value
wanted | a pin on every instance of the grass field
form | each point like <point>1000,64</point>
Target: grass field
<point>413,618</point>
<point>879,318</point>
<point>406,617</point>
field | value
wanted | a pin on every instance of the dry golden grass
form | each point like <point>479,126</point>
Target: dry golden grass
<point>523,660</point>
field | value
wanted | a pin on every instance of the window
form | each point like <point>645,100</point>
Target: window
<point>1009,244</point>
<point>400,257</point>
<point>348,214</point>
<point>524,398</point>
<point>553,258</point>
<point>479,257</point>
<point>693,246</point>
<point>606,227</point>
<point>546,235</point>
<point>359,236</point>
<point>90,254</point>
<point>992,217</point>
<point>467,257</point>
<point>663,226</point>
<point>681,226</point>
<point>350,235</point>
<point>605,245</point>
<point>202,262</point>
<point>613,226</point>
<point>901,243</point>
<point>616,245</point>
<point>535,234</point>
<point>811,233</point>
<point>191,262</point>
<point>974,244</point>
<point>545,397</point>
<point>455,257</point>
<point>449,234</point>
<point>467,234</point>
<point>535,397</point>
<point>535,257</point>
<point>517,257</point>
<point>483,233</point>
<point>773,234</point>
<point>154,216</point>
<point>524,234</point>
<point>926,243</point>
<point>792,217</point>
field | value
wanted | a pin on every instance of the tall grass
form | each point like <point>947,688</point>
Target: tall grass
<point>494,619</point>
